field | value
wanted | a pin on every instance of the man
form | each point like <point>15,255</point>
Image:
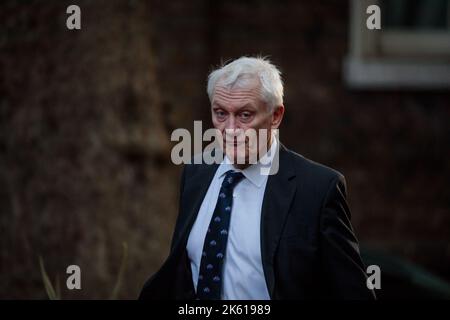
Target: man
<point>243,233</point>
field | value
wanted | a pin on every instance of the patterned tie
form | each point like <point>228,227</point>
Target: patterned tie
<point>209,283</point>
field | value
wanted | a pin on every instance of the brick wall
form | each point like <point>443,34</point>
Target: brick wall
<point>86,117</point>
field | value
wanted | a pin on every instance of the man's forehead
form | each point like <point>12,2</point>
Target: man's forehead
<point>250,94</point>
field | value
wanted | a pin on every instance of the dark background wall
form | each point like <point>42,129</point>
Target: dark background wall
<point>86,118</point>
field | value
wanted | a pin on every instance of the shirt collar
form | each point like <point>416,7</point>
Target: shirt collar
<point>254,173</point>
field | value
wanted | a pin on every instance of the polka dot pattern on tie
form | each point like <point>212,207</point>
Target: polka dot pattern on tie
<point>209,283</point>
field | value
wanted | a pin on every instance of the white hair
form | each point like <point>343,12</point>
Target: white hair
<point>239,71</point>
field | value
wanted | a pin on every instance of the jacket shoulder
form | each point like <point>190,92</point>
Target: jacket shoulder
<point>313,172</point>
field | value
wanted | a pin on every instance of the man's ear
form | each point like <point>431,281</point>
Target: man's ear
<point>277,116</point>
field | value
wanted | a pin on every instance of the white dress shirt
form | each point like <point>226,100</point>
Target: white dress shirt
<point>243,275</point>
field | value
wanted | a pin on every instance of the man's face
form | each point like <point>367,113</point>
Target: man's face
<point>234,112</point>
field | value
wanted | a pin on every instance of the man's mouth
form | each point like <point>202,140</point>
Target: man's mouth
<point>234,143</point>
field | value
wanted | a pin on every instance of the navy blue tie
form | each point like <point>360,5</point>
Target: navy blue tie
<point>209,283</point>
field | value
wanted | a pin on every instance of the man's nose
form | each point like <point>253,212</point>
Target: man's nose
<point>231,124</point>
<point>232,128</point>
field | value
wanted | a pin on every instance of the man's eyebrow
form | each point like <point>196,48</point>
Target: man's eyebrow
<point>216,104</point>
<point>248,105</point>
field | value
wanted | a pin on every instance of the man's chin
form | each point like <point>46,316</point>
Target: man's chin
<point>236,158</point>
<point>241,160</point>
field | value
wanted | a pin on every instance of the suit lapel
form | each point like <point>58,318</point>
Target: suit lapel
<point>280,190</point>
<point>195,192</point>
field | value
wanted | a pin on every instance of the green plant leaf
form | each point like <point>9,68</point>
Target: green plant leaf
<point>47,283</point>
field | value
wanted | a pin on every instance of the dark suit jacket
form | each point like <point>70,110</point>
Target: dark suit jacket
<point>308,246</point>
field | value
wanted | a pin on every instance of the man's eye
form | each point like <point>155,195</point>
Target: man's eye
<point>220,113</point>
<point>246,115</point>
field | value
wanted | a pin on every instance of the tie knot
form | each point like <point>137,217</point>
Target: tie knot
<point>231,179</point>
